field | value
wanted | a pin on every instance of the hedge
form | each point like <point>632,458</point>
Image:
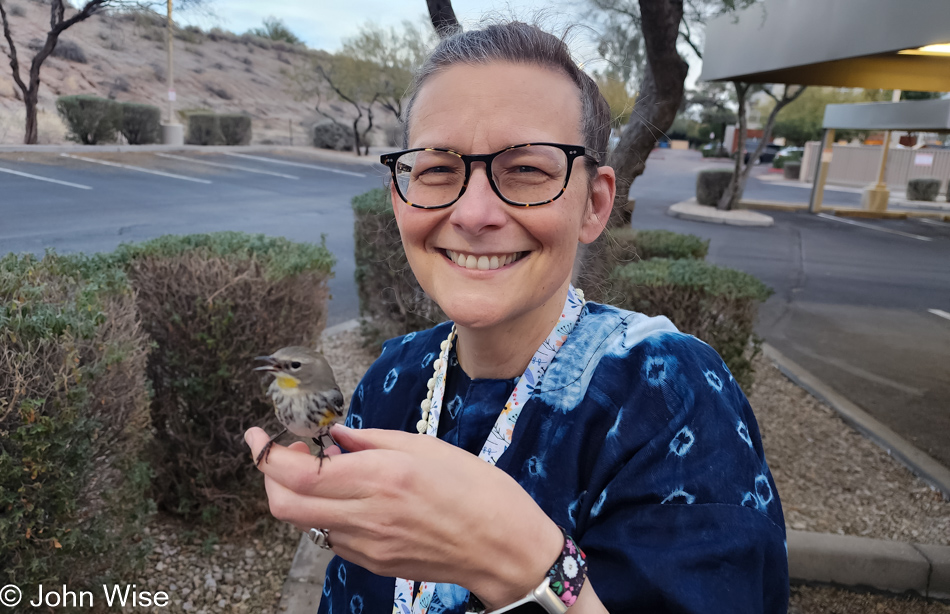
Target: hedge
<point>235,129</point>
<point>923,189</point>
<point>204,129</point>
<point>391,301</point>
<point>717,305</point>
<point>627,245</point>
<point>711,184</point>
<point>89,119</point>
<point>140,124</point>
<point>331,135</point>
<point>209,304</point>
<point>74,423</point>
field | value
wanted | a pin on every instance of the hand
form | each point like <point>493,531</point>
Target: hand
<point>416,507</point>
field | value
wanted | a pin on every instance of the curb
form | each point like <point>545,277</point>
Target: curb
<point>690,210</point>
<point>922,465</point>
<point>890,566</point>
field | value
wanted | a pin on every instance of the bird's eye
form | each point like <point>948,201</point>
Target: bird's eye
<point>295,365</point>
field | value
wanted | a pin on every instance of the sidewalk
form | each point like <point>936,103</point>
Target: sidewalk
<point>890,566</point>
<point>898,198</point>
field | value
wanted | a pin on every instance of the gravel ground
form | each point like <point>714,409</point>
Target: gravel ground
<point>830,478</point>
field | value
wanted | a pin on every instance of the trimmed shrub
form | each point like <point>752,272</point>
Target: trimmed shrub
<point>923,189</point>
<point>210,304</point>
<point>792,170</point>
<point>628,245</point>
<point>89,119</point>
<point>715,304</point>
<point>235,129</point>
<point>204,129</point>
<point>711,185</point>
<point>74,423</point>
<point>330,135</point>
<point>391,301</point>
<point>141,124</point>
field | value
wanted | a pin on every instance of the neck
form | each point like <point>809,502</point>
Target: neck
<point>504,351</point>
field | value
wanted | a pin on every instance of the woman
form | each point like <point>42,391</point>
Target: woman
<point>605,432</point>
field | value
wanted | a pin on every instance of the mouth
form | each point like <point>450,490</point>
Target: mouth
<point>483,262</point>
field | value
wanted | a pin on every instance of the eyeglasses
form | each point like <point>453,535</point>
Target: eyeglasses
<point>521,175</point>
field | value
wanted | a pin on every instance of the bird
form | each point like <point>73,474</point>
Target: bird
<point>307,399</point>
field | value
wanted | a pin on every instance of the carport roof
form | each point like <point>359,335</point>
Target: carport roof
<point>839,43</point>
<point>913,116</point>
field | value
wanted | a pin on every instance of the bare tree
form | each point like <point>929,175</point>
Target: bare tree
<point>58,23</point>
<point>443,17</point>
<point>740,177</point>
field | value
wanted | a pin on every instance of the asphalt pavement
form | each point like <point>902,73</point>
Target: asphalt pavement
<point>864,307</point>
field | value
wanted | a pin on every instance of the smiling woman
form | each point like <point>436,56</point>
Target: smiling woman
<point>539,452</point>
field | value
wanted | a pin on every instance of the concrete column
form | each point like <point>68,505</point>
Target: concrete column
<point>821,171</point>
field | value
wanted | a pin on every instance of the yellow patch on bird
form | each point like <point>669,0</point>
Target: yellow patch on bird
<point>287,382</point>
<point>328,418</point>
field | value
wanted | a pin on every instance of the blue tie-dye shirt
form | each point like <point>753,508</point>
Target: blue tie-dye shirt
<point>638,441</point>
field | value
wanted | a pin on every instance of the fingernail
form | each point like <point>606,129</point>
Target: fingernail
<point>247,439</point>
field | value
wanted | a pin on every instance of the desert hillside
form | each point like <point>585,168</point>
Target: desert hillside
<point>123,56</point>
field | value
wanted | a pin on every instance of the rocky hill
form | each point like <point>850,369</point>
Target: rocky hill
<point>123,56</point>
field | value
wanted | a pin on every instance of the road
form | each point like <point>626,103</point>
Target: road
<point>851,304</point>
<point>857,305</point>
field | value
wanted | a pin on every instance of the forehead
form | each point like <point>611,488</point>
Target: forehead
<point>485,107</point>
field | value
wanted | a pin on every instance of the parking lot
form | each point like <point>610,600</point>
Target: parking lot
<point>79,201</point>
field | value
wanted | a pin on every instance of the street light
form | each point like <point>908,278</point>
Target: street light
<point>173,133</point>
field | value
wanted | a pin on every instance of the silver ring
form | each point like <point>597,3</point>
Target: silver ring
<point>320,537</point>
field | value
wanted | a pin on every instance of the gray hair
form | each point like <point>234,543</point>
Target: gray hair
<point>520,43</point>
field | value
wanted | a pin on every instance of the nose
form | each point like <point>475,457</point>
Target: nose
<point>479,209</point>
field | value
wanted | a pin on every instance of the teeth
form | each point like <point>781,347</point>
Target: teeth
<point>481,263</point>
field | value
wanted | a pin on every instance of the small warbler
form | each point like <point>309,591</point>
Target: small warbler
<point>306,398</point>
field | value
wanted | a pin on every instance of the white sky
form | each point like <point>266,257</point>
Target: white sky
<point>324,24</point>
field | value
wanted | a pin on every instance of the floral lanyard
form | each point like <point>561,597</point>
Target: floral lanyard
<point>500,437</point>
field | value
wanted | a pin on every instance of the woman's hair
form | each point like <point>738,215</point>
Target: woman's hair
<point>520,43</point>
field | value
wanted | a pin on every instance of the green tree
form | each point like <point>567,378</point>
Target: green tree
<point>276,30</point>
<point>801,120</point>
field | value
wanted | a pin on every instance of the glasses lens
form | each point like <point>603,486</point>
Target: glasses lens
<point>531,174</point>
<point>429,178</point>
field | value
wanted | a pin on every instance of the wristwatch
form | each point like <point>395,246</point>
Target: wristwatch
<point>556,593</point>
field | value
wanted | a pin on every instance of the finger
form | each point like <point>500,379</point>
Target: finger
<point>299,446</point>
<point>357,440</point>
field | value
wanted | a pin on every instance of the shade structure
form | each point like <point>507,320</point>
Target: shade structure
<point>870,44</point>
<point>912,116</point>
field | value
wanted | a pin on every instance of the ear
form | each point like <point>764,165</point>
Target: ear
<point>602,191</point>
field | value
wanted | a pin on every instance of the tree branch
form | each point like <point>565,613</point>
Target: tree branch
<point>11,51</point>
<point>443,17</point>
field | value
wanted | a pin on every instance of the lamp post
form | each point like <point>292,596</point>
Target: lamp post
<point>172,132</point>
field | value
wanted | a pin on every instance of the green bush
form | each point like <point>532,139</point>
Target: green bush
<point>923,189</point>
<point>627,245</point>
<point>715,304</point>
<point>89,119</point>
<point>331,135</point>
<point>235,129</point>
<point>74,423</point>
<point>711,184</point>
<point>204,129</point>
<point>391,301</point>
<point>140,124</point>
<point>781,161</point>
<point>210,304</point>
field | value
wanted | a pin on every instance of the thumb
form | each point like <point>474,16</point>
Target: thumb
<point>356,440</point>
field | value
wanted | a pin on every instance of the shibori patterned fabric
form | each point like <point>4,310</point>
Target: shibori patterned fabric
<point>638,441</point>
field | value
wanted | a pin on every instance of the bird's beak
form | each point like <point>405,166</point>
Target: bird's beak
<point>270,366</point>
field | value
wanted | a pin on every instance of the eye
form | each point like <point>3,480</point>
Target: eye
<point>295,365</point>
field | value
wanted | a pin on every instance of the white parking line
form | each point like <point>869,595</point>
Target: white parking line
<point>72,185</point>
<point>246,169</point>
<point>940,312</point>
<point>870,227</point>
<point>135,168</point>
<point>932,222</point>
<point>301,165</point>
